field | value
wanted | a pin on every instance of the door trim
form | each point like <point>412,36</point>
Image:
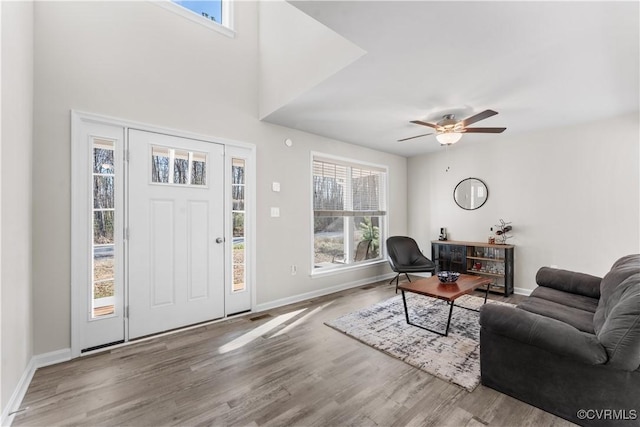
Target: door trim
<point>78,279</point>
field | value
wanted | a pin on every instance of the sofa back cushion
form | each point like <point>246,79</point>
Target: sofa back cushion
<point>617,318</point>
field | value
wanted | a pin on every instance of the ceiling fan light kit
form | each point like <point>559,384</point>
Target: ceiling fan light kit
<point>449,130</point>
<point>448,138</point>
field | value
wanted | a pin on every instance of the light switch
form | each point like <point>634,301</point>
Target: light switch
<point>275,186</point>
<point>275,212</point>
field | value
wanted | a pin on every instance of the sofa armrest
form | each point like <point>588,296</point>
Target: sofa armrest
<point>569,281</point>
<point>542,332</point>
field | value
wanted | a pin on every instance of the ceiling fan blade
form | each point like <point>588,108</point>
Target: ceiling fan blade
<point>484,130</point>
<point>480,116</point>
<point>412,137</point>
<point>419,122</point>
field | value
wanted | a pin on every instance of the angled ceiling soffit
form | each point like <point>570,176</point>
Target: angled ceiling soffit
<point>296,53</point>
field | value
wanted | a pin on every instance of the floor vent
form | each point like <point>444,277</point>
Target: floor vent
<point>262,316</point>
<point>367,287</point>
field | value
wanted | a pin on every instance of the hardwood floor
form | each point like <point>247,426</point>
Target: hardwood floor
<point>296,373</point>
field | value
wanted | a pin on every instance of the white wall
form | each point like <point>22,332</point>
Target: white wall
<point>573,195</point>
<point>16,332</point>
<point>140,62</point>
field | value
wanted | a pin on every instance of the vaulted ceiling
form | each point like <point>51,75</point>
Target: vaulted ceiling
<point>541,65</point>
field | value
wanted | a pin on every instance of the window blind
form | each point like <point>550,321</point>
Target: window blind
<point>347,189</point>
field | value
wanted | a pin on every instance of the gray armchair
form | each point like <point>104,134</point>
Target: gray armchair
<point>572,347</point>
<point>405,257</point>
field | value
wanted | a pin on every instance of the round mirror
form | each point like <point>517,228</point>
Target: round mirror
<point>470,193</point>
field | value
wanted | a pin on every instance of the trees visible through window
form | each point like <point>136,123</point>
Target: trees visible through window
<point>175,166</point>
<point>349,210</point>
<point>103,228</point>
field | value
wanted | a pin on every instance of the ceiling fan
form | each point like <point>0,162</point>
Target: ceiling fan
<point>449,130</point>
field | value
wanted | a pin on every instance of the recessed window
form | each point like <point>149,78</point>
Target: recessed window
<point>349,213</point>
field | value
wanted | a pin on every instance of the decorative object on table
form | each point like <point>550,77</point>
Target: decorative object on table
<point>492,239</point>
<point>503,229</point>
<point>443,234</point>
<point>454,358</point>
<point>470,194</point>
<point>448,276</point>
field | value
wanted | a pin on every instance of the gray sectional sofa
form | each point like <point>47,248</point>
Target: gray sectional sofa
<point>572,347</point>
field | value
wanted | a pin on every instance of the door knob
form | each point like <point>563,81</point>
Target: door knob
<point>220,240</point>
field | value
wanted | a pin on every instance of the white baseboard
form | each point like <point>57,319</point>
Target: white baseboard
<point>18,394</point>
<point>522,291</point>
<point>320,292</point>
<point>53,357</point>
<point>38,361</point>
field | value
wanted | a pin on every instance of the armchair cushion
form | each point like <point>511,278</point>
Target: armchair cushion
<point>549,334</point>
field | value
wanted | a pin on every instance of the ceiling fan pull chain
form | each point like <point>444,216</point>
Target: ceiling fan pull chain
<point>446,148</point>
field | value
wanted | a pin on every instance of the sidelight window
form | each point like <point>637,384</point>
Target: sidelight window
<point>238,218</point>
<point>103,228</point>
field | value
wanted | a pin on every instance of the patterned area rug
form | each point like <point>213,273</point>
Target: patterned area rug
<point>454,358</point>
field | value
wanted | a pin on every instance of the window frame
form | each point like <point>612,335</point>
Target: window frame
<point>384,227</point>
<point>226,27</point>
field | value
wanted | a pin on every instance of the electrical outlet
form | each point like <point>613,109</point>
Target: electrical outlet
<point>275,212</point>
<point>294,270</point>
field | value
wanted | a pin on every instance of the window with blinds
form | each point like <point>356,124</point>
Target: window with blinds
<point>349,208</point>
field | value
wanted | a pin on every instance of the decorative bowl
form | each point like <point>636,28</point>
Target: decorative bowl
<point>448,276</point>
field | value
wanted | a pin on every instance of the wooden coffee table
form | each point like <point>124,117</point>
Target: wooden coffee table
<point>449,292</point>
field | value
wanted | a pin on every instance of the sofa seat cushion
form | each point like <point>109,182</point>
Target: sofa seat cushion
<point>579,319</point>
<point>571,300</point>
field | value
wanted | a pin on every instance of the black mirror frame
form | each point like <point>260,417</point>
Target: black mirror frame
<point>478,207</point>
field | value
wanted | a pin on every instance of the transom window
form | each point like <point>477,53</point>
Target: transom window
<point>215,14</point>
<point>349,212</point>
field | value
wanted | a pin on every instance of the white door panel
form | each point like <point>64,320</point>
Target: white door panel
<point>176,268</point>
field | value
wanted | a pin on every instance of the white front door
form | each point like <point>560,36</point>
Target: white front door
<point>176,232</point>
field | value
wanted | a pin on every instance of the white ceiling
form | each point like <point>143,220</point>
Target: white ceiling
<point>539,64</point>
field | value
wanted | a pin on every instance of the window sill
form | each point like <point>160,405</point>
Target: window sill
<point>324,272</point>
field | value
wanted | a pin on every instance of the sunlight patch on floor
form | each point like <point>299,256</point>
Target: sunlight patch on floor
<point>301,320</point>
<point>259,331</point>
